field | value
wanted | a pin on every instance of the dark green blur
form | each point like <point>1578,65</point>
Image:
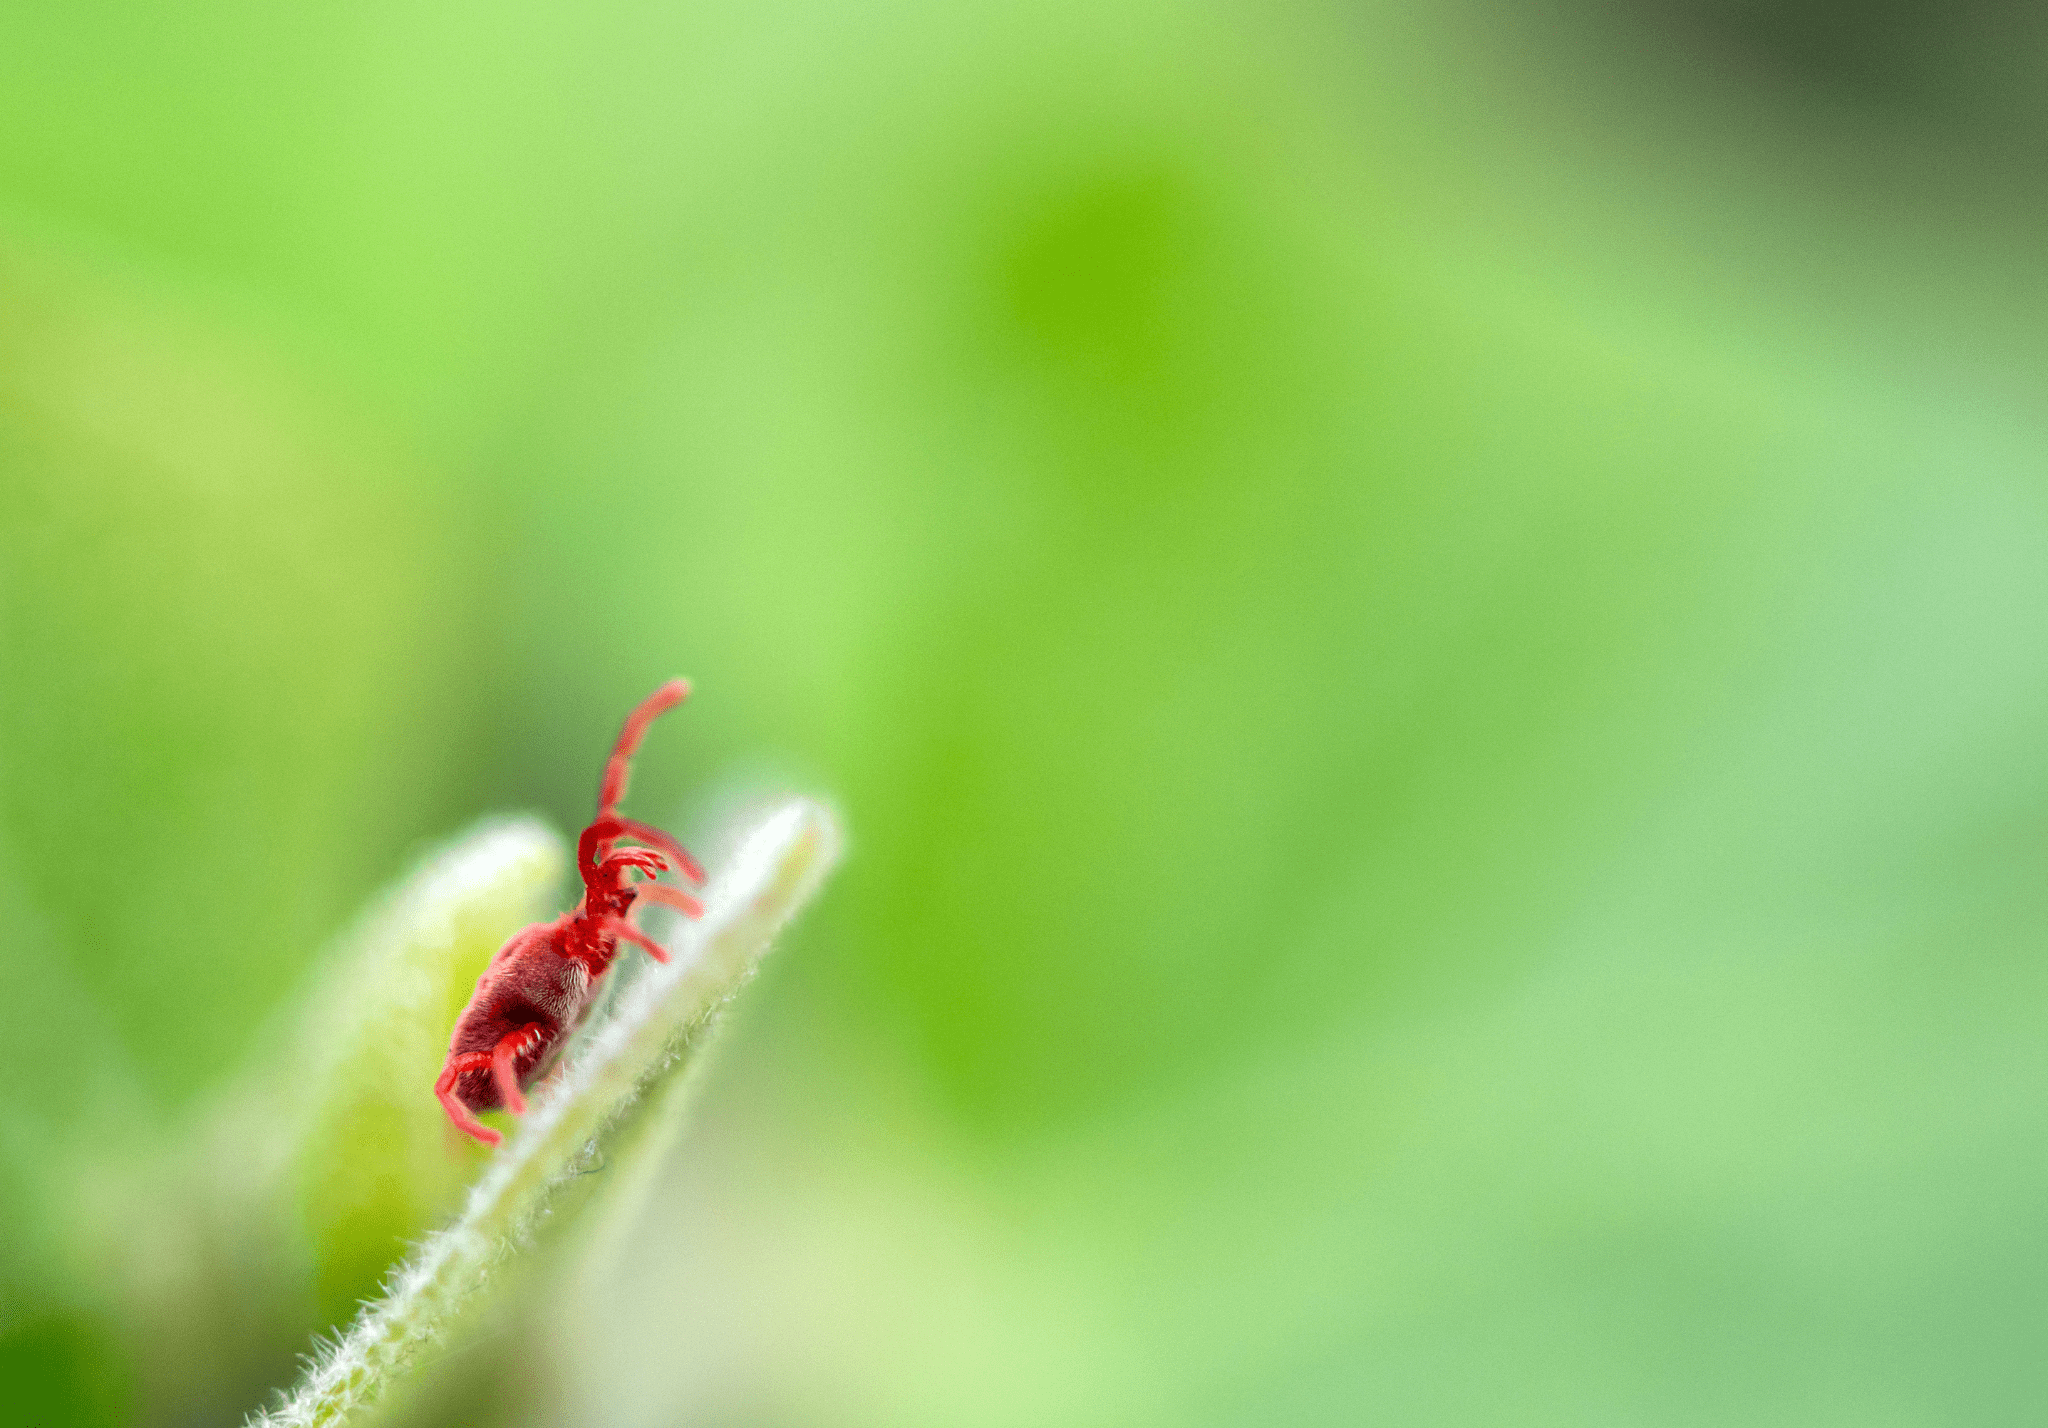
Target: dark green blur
<point>1430,622</point>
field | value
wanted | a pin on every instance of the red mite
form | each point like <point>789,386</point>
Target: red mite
<point>538,985</point>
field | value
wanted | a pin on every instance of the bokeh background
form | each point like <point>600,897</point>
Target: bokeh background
<point>1430,619</point>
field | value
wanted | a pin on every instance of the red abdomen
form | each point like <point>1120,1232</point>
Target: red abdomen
<point>536,987</point>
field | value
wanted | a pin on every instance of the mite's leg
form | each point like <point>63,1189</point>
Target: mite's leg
<point>464,1118</point>
<point>596,842</point>
<point>654,837</point>
<point>511,1046</point>
<point>620,763</point>
<point>646,860</point>
<point>672,897</point>
<point>621,928</point>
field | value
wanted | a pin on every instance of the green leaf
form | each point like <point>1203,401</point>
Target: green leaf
<point>325,1154</point>
<point>608,1103</point>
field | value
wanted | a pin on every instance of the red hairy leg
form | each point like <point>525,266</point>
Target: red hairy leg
<point>645,859</point>
<point>593,846</point>
<point>619,927</point>
<point>677,853</point>
<point>464,1118</point>
<point>510,1046</point>
<point>672,897</point>
<point>621,762</point>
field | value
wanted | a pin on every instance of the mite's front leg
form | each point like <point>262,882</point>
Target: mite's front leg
<point>626,931</point>
<point>608,826</point>
<point>673,897</point>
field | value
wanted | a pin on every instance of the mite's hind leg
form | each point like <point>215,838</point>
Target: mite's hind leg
<point>464,1118</point>
<point>511,1046</point>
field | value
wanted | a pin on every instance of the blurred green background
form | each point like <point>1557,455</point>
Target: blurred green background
<point>1431,621</point>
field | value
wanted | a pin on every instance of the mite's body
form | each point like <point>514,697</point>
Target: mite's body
<point>540,982</point>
